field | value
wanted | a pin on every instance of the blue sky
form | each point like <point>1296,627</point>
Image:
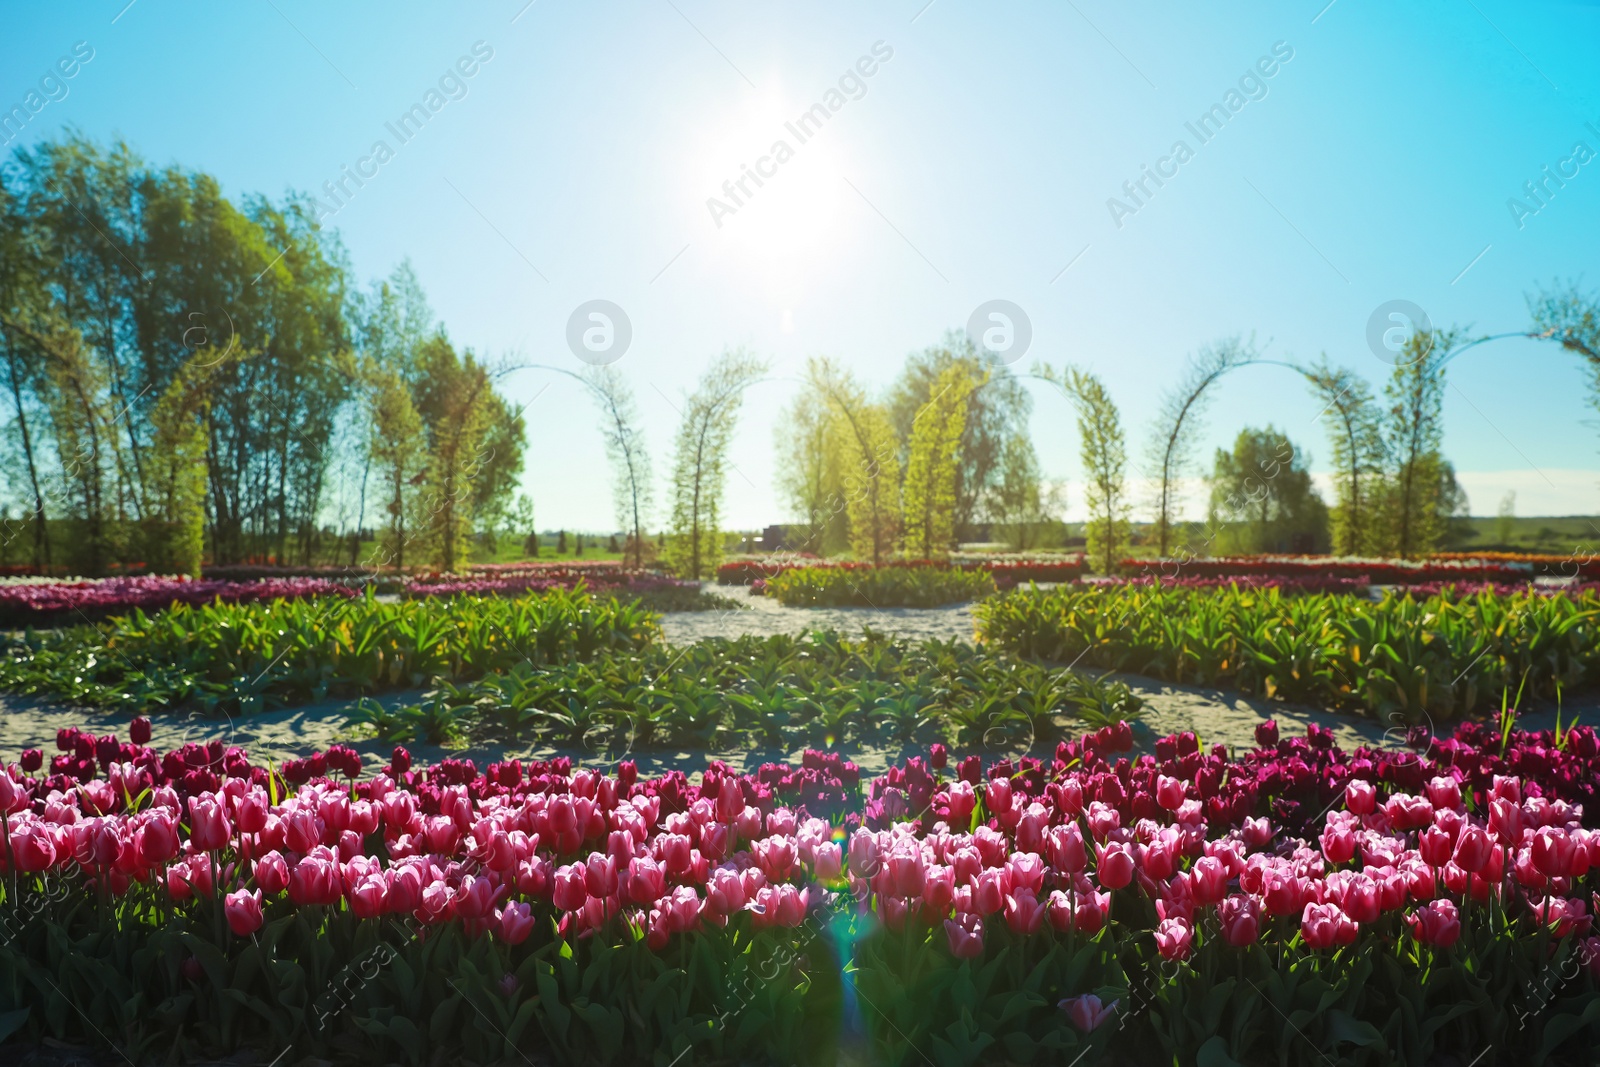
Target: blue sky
<point>976,162</point>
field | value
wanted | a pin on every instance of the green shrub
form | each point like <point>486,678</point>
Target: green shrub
<point>878,587</point>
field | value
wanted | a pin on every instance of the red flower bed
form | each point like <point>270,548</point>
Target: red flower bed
<point>65,603</point>
<point>1006,572</point>
<point>1377,571</point>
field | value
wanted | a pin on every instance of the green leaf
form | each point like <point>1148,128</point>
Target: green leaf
<point>12,1021</point>
<point>1214,1053</point>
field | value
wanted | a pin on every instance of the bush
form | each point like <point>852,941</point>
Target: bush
<point>1399,659</point>
<point>880,587</point>
<point>248,657</point>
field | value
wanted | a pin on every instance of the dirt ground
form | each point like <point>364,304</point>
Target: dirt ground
<point>1215,715</point>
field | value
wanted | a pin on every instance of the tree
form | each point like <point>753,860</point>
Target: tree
<point>1262,497</point>
<point>174,493</point>
<point>929,493</point>
<point>474,447</point>
<point>398,449</point>
<point>1021,504</point>
<point>1412,435</point>
<point>700,465</point>
<point>1505,521</point>
<point>870,461</point>
<point>1178,426</point>
<point>625,446</point>
<point>1355,429</point>
<point>1105,462</point>
<point>810,439</point>
<point>996,413</point>
<point>522,521</point>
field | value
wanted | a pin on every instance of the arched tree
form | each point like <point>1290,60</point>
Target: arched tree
<point>1178,426</point>
<point>1355,430</point>
<point>1105,462</point>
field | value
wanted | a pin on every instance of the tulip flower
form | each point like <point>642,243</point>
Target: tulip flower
<point>1325,925</point>
<point>965,935</point>
<point>243,911</point>
<point>1086,1012</point>
<point>1173,939</point>
<point>1240,917</point>
<point>1437,924</point>
<point>1115,869</point>
<point>515,923</point>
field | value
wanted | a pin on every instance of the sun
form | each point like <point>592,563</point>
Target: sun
<point>770,177</point>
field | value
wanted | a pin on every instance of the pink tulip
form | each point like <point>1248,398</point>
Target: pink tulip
<point>516,923</point>
<point>1553,852</point>
<point>1066,850</point>
<point>272,873</point>
<point>571,887</point>
<point>1169,792</point>
<point>1444,792</point>
<point>965,935</point>
<point>1024,913</point>
<point>208,824</point>
<point>1360,797</point>
<point>776,856</point>
<point>1324,926</point>
<point>1086,1012</point>
<point>989,890</point>
<point>1437,924</point>
<point>1473,849</point>
<point>1115,869</point>
<point>962,802</point>
<point>243,910</point>
<point>369,897</point>
<point>1173,939</point>
<point>644,882</point>
<point>1208,880</point>
<point>1436,845</point>
<point>1240,917</point>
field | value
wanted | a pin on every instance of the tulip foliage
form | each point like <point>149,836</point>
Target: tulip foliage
<point>246,657</point>
<point>1401,659</point>
<point>1185,906</point>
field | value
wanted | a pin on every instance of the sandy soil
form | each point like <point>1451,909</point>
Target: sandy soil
<point>1215,715</point>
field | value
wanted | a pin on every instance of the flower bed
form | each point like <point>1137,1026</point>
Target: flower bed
<point>1007,571</point>
<point>1399,659</point>
<point>877,587</point>
<point>1283,583</point>
<point>1294,903</point>
<point>778,691</point>
<point>247,657</point>
<point>1376,571</point>
<point>53,603</point>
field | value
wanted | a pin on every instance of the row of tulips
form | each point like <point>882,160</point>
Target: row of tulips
<point>1007,572</point>
<point>1379,571</point>
<point>1014,910</point>
<point>89,600</point>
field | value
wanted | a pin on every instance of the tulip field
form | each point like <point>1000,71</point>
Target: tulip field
<point>1034,878</point>
<point>1289,904</point>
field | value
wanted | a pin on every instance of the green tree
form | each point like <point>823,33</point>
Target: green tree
<point>1022,506</point>
<point>397,447</point>
<point>1104,454</point>
<point>1262,498</point>
<point>870,461</point>
<point>1412,434</point>
<point>809,440</point>
<point>625,446</point>
<point>474,451</point>
<point>932,465</point>
<point>694,547</point>
<point>174,494</point>
<point>996,413</point>
<point>1355,431</point>
<point>1505,522</point>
